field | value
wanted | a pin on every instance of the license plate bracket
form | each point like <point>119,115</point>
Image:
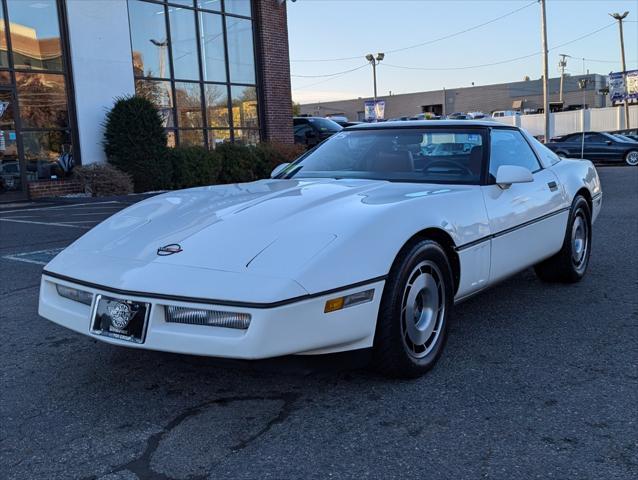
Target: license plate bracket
<point>120,318</point>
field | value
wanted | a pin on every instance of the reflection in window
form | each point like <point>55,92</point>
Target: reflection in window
<point>244,106</point>
<point>191,137</point>
<point>247,137</point>
<point>217,62</point>
<point>189,104</point>
<point>241,58</point>
<point>148,39</point>
<point>42,99</point>
<point>210,4</point>
<point>184,44</point>
<point>215,137</point>
<point>216,97</point>
<point>4,56</point>
<point>238,7</point>
<point>42,150</point>
<point>160,94</point>
<point>35,34</point>
<point>212,42</point>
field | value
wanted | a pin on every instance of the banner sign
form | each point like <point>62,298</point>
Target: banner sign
<point>632,84</point>
<point>619,90</point>
<point>616,87</point>
<point>374,111</point>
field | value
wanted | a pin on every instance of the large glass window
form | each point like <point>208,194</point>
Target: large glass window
<point>204,49</point>
<point>35,120</point>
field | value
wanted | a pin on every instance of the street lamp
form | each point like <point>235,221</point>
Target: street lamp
<point>374,62</point>
<point>620,18</point>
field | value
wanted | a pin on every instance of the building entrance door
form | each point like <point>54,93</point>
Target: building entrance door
<point>12,174</point>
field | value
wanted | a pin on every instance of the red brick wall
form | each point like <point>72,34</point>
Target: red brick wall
<point>273,68</point>
<point>53,188</point>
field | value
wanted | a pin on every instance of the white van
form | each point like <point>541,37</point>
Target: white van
<point>505,113</point>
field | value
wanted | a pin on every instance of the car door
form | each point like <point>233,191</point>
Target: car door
<point>596,146</point>
<point>527,220</point>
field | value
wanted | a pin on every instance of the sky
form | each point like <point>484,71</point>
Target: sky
<point>335,30</point>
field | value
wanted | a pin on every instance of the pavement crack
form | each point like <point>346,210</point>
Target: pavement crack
<point>141,466</point>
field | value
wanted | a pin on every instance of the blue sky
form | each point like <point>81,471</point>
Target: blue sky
<point>330,29</point>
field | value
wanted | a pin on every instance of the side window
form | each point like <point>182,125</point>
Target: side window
<point>300,130</point>
<point>508,147</point>
<point>594,138</point>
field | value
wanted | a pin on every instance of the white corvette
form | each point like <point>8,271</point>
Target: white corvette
<point>366,241</point>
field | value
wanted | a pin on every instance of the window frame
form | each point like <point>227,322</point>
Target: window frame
<point>195,9</point>
<point>66,73</point>
<point>491,180</point>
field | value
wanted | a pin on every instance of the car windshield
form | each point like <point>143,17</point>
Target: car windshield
<point>450,155</point>
<point>325,125</point>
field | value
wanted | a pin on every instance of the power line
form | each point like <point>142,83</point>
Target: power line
<point>428,42</point>
<point>330,74</point>
<point>500,62</point>
<point>331,78</point>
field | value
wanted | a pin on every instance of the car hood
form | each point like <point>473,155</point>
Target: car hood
<point>219,227</point>
<point>268,228</point>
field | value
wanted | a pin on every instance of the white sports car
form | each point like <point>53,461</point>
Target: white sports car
<point>365,241</point>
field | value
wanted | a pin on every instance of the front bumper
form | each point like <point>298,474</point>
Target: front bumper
<point>295,328</point>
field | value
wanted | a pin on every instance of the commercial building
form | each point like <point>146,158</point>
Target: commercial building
<point>526,95</point>
<point>218,70</point>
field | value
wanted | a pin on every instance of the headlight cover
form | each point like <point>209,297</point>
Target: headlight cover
<point>211,318</point>
<point>74,294</point>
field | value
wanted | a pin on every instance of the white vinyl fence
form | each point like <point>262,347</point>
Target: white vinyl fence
<point>562,123</point>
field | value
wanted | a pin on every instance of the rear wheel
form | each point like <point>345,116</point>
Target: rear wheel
<point>570,264</point>
<point>631,158</point>
<point>412,324</point>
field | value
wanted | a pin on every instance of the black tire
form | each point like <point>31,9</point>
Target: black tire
<point>569,265</point>
<point>422,274</point>
<point>631,158</point>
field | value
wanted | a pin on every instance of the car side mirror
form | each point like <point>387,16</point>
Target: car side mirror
<point>506,175</point>
<point>609,142</point>
<point>278,169</point>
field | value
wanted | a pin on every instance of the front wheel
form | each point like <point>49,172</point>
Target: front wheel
<point>570,264</point>
<point>631,158</point>
<point>412,323</point>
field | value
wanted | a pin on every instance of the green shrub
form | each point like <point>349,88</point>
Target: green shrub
<point>194,166</point>
<point>272,154</point>
<point>239,163</point>
<point>102,179</point>
<point>135,142</point>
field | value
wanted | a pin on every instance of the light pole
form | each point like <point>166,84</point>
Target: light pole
<point>620,18</point>
<point>545,70</point>
<point>374,62</point>
<point>582,84</point>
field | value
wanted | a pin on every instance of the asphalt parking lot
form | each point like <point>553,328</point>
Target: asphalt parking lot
<point>537,381</point>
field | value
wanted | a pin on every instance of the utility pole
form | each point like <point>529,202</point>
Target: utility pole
<point>374,62</point>
<point>620,18</point>
<point>582,84</point>
<point>545,69</point>
<point>562,64</point>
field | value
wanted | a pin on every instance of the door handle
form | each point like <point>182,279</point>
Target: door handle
<point>553,186</point>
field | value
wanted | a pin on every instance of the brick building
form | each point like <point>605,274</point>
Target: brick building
<point>218,70</point>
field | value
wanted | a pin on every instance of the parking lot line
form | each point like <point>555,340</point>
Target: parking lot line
<point>62,206</point>
<point>38,257</point>
<point>51,224</point>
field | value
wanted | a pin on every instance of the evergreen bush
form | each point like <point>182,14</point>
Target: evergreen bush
<point>135,142</point>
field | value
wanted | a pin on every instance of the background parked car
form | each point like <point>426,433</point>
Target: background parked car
<point>310,131</point>
<point>598,146</point>
<point>505,113</point>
